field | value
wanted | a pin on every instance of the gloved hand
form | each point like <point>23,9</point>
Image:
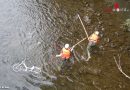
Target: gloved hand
<point>58,55</point>
<point>72,48</point>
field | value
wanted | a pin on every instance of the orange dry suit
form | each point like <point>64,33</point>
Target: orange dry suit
<point>65,53</point>
<point>94,38</point>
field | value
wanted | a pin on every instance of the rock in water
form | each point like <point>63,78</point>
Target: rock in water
<point>87,19</point>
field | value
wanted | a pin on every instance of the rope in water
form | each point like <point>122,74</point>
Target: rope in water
<point>89,56</point>
<point>84,30</point>
<point>119,66</point>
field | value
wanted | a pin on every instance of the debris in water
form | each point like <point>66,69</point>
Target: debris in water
<point>87,19</point>
<point>119,66</point>
<point>69,79</point>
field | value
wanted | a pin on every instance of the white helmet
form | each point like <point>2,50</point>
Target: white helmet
<point>66,46</point>
<point>96,32</point>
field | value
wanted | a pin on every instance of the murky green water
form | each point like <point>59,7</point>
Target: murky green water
<point>38,29</point>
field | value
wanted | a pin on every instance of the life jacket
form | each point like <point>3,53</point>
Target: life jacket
<point>65,53</point>
<point>94,38</point>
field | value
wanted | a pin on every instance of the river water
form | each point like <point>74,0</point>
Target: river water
<point>36,30</point>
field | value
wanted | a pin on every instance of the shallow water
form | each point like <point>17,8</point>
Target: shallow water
<point>37,30</point>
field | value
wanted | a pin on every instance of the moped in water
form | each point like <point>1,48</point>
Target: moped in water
<point>23,67</point>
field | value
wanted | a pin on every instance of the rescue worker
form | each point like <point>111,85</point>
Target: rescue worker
<point>66,55</point>
<point>93,40</point>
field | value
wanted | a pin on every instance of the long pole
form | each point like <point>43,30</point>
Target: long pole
<point>79,42</point>
<point>83,26</point>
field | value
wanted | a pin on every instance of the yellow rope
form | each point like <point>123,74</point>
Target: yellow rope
<point>79,42</point>
<point>83,26</point>
<point>85,32</point>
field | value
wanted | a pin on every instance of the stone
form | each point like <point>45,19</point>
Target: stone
<point>101,35</point>
<point>87,4</point>
<point>98,14</point>
<point>113,45</point>
<point>103,29</point>
<point>87,19</point>
<point>100,22</point>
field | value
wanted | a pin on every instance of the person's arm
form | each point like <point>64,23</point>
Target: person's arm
<point>71,49</point>
<point>59,55</point>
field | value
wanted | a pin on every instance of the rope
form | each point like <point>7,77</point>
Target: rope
<point>79,42</point>
<point>83,26</point>
<point>85,33</point>
<point>119,66</point>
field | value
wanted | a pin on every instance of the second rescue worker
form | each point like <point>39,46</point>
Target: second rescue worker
<point>93,40</point>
